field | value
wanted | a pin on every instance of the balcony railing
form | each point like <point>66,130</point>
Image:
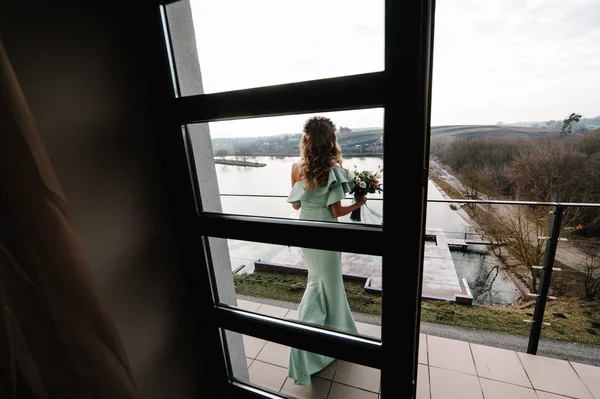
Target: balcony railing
<point>546,269</point>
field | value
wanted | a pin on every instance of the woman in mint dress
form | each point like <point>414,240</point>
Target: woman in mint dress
<point>319,183</point>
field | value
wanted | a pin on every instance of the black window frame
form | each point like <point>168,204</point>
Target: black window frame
<point>403,89</point>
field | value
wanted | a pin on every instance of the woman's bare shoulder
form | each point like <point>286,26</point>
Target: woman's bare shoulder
<point>298,164</point>
<point>297,167</point>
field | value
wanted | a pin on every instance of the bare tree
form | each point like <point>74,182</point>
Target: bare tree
<point>521,230</point>
<point>547,172</point>
<point>223,152</point>
<point>437,146</point>
<point>472,178</point>
<point>556,170</point>
<point>490,155</point>
<point>554,125</point>
<point>457,155</point>
<point>590,143</point>
<point>484,285</point>
<point>591,269</point>
<point>243,152</point>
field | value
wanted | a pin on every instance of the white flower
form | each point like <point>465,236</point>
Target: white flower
<point>362,184</point>
<point>357,179</point>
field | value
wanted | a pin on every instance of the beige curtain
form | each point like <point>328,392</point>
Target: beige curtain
<point>56,337</point>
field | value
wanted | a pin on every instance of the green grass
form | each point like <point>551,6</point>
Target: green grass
<point>271,285</point>
<point>571,319</point>
<point>581,321</point>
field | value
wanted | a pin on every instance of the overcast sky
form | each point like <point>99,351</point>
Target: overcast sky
<point>494,60</point>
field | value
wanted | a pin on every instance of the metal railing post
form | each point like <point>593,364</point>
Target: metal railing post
<point>546,275</point>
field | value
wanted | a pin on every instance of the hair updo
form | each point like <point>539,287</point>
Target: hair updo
<point>316,123</point>
<point>319,151</point>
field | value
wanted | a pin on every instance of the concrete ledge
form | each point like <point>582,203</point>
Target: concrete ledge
<point>368,288</point>
<point>466,298</point>
<point>287,269</point>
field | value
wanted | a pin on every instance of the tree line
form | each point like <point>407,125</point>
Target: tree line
<point>556,169</point>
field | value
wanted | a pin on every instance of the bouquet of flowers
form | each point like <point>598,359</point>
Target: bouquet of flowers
<point>365,182</point>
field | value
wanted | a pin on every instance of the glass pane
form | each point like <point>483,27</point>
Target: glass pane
<point>242,44</point>
<point>501,105</point>
<point>494,253</point>
<point>480,266</point>
<point>336,291</point>
<point>572,311</point>
<point>268,368</point>
<point>244,167</point>
<point>506,125</point>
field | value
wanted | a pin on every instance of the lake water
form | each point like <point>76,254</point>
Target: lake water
<point>274,181</point>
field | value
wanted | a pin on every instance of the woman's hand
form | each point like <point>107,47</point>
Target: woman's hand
<point>360,201</point>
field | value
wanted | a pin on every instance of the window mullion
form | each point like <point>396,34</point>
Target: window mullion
<point>344,237</point>
<point>334,94</point>
<point>335,344</point>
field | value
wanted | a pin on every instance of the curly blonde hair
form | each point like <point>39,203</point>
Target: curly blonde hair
<point>319,150</point>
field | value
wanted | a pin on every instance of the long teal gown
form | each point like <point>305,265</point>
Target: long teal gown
<point>324,302</point>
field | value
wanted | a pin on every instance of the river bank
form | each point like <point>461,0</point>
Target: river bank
<point>236,162</point>
<point>569,257</point>
<point>444,182</point>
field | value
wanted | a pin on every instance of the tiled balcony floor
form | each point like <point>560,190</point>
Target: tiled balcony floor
<point>448,369</point>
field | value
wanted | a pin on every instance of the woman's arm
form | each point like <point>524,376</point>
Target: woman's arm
<point>338,210</point>
<point>294,180</point>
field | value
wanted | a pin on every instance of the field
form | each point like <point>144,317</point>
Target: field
<point>471,131</point>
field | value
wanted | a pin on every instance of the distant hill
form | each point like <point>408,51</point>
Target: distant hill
<point>367,129</point>
<point>582,122</point>
<point>461,132</point>
<point>472,131</point>
<point>370,135</point>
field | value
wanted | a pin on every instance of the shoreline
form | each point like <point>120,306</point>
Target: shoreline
<point>344,155</point>
<point>515,280</point>
<point>239,163</point>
